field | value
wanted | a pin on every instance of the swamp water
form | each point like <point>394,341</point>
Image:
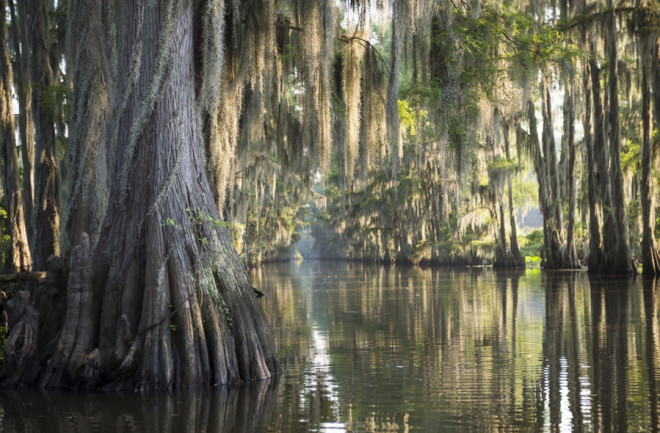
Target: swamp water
<point>368,349</point>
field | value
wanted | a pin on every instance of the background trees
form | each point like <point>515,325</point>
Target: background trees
<point>415,131</point>
<point>378,99</point>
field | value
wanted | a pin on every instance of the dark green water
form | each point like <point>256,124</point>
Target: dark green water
<point>402,349</point>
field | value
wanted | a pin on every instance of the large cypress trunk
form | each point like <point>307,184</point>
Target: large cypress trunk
<point>506,256</point>
<point>87,179</point>
<point>618,257</point>
<point>595,242</point>
<point>164,301</point>
<point>599,177</point>
<point>545,165</point>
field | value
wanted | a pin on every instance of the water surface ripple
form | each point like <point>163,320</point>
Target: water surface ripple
<point>372,349</point>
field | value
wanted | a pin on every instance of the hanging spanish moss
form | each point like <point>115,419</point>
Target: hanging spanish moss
<point>373,130</point>
<point>249,38</point>
<point>352,79</point>
<point>400,22</point>
<point>317,46</point>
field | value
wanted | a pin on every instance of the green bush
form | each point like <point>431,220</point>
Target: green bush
<point>530,246</point>
<point>5,240</point>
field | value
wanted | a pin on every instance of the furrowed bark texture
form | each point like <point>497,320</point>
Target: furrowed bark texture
<point>45,240</point>
<point>89,39</point>
<point>599,179</point>
<point>20,258</point>
<point>163,301</point>
<point>176,306</point>
<point>620,258</point>
<point>22,81</point>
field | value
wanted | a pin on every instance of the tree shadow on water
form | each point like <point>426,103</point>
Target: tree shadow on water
<point>248,408</point>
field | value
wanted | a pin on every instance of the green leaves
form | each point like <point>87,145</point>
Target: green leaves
<point>502,165</point>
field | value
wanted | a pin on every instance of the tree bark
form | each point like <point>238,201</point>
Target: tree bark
<point>45,241</point>
<point>164,301</point>
<point>650,256</point>
<point>517,259</point>
<point>617,255</point>
<point>552,214</point>
<point>542,158</point>
<point>19,259</point>
<point>570,254</point>
<point>599,179</point>
<point>506,255</point>
<point>87,177</point>
<point>20,37</point>
<point>502,251</point>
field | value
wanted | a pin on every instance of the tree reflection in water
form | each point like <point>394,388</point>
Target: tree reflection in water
<point>242,409</point>
<point>368,348</point>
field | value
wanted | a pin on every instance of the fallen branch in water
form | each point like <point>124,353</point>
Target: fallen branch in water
<point>22,276</point>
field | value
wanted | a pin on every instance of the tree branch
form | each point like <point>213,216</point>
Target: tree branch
<point>22,276</point>
<point>582,19</point>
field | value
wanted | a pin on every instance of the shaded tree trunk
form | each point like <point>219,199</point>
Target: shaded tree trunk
<point>517,258</point>
<point>164,301</point>
<point>570,254</point>
<point>87,176</point>
<point>544,156</point>
<point>599,178</point>
<point>550,199</point>
<point>507,255</point>
<point>595,241</point>
<point>45,240</point>
<point>20,259</point>
<point>21,44</point>
<point>618,258</point>
<point>553,237</point>
<point>650,256</point>
<point>502,251</point>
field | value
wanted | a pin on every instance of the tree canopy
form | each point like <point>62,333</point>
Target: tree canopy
<point>158,147</point>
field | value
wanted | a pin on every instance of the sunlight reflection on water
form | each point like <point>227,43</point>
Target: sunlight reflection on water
<point>369,349</point>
